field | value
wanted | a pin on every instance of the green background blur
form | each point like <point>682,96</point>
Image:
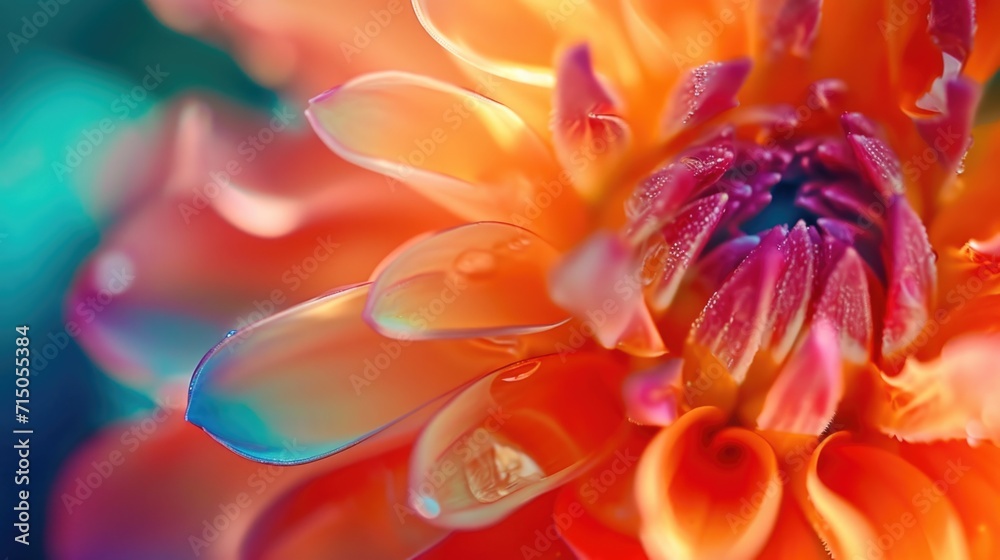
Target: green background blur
<point>57,86</point>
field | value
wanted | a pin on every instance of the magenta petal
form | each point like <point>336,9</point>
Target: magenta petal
<point>657,199</point>
<point>796,26</point>
<point>713,269</point>
<point>482,279</point>
<point>651,396</point>
<point>601,282</point>
<point>845,305</point>
<point>733,323</point>
<point>952,24</point>
<point>316,379</point>
<point>794,292</point>
<point>683,240</point>
<point>950,133</point>
<point>912,281</point>
<point>877,161</point>
<point>705,92</point>
<point>805,394</point>
<point>584,119</point>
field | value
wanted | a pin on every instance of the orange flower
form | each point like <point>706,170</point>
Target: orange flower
<point>728,289</point>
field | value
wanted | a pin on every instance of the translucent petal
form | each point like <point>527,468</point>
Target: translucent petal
<point>512,436</point>
<point>316,379</point>
<point>483,279</point>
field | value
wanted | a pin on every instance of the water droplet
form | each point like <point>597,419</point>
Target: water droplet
<point>498,470</point>
<point>475,262</point>
<point>518,243</point>
<point>231,333</point>
<point>521,371</point>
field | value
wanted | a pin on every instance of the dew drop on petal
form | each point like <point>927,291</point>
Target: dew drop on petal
<point>475,262</point>
<point>496,469</point>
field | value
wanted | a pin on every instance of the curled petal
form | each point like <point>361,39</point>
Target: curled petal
<point>511,437</point>
<point>793,26</point>
<point>692,485</point>
<point>315,380</point>
<point>874,502</point>
<point>804,397</point>
<point>483,279</point>
<point>970,478</point>
<point>952,397</point>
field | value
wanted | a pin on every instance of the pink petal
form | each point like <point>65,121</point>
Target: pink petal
<point>952,24</point>
<point>657,199</point>
<point>796,26</point>
<point>878,163</point>
<point>601,283</point>
<point>706,92</point>
<point>846,305</point>
<point>733,323</point>
<point>912,278</point>
<point>483,279</point>
<point>794,292</point>
<point>652,396</point>
<point>590,138</point>
<point>511,437</point>
<point>319,376</point>
<point>950,133</point>
<point>953,397</point>
<point>805,394</point>
<point>713,269</point>
<point>683,240</point>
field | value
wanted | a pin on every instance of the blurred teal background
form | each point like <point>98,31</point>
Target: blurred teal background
<point>59,80</point>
